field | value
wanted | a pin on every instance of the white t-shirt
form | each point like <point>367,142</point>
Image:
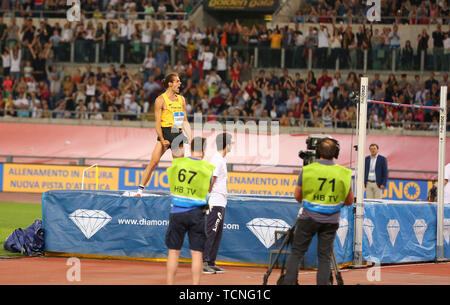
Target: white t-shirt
<point>183,38</point>
<point>322,39</point>
<point>221,64</point>
<point>207,58</point>
<point>15,63</point>
<point>447,186</point>
<point>168,36</point>
<point>146,35</point>
<point>21,102</point>
<point>67,35</point>
<point>198,36</point>
<point>218,195</point>
<point>6,61</point>
<point>90,90</point>
<point>149,63</point>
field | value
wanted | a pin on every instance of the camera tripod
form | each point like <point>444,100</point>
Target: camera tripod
<point>286,241</point>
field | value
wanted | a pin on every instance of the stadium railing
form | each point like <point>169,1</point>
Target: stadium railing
<point>337,59</point>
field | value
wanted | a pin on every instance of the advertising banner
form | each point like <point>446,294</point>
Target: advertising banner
<point>399,232</point>
<point>129,179</point>
<point>394,233</point>
<point>33,178</point>
<point>241,5</point>
<point>107,223</point>
<point>447,232</point>
<point>271,184</point>
<point>111,224</point>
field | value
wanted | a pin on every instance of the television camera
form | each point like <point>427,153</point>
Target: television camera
<point>309,156</point>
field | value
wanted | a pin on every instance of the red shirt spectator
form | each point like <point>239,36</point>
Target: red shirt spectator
<point>249,88</point>
<point>217,100</point>
<point>235,72</point>
<point>8,83</point>
<point>323,79</point>
<point>44,91</point>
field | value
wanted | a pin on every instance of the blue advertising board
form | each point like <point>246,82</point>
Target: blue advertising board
<point>110,224</point>
<point>394,233</point>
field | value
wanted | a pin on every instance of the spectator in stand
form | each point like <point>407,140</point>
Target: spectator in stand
<point>22,105</point>
<point>323,78</point>
<point>446,51</point>
<point>162,59</point>
<point>207,58</point>
<point>394,43</point>
<point>327,116</point>
<point>6,61</point>
<point>16,59</point>
<point>220,56</point>
<point>212,77</point>
<point>407,58</point>
<point>311,41</point>
<point>335,46</point>
<point>168,36</point>
<point>422,45</point>
<point>438,48</point>
<point>322,44</point>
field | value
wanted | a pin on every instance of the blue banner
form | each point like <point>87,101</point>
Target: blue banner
<point>111,224</point>
<point>407,190</point>
<point>397,233</point>
<point>129,179</point>
<point>447,232</point>
<point>394,233</point>
<point>107,223</point>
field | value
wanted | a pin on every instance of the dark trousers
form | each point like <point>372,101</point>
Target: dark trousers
<point>306,229</point>
<point>214,229</point>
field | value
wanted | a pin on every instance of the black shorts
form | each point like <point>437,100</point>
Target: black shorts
<point>192,223</point>
<point>173,135</point>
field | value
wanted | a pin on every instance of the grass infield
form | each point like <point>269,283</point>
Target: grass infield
<point>15,215</point>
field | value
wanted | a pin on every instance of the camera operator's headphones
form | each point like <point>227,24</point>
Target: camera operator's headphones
<point>337,147</point>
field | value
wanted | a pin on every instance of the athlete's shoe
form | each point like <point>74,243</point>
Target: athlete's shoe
<point>207,269</point>
<point>218,269</point>
<point>139,191</point>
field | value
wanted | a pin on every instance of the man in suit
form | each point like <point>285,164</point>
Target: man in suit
<point>375,173</point>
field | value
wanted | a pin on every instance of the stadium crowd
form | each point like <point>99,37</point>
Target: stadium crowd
<point>98,9</point>
<point>219,85</point>
<point>355,11</point>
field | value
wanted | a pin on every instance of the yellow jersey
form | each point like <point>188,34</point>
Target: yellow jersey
<point>173,115</point>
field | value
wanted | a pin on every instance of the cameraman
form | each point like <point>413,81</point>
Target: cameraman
<point>323,187</point>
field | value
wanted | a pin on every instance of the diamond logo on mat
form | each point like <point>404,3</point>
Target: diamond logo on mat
<point>393,227</point>
<point>447,230</point>
<point>264,229</point>
<point>90,221</point>
<point>368,229</point>
<point>342,231</point>
<point>420,226</point>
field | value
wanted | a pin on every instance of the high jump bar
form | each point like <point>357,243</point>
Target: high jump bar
<point>405,105</point>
